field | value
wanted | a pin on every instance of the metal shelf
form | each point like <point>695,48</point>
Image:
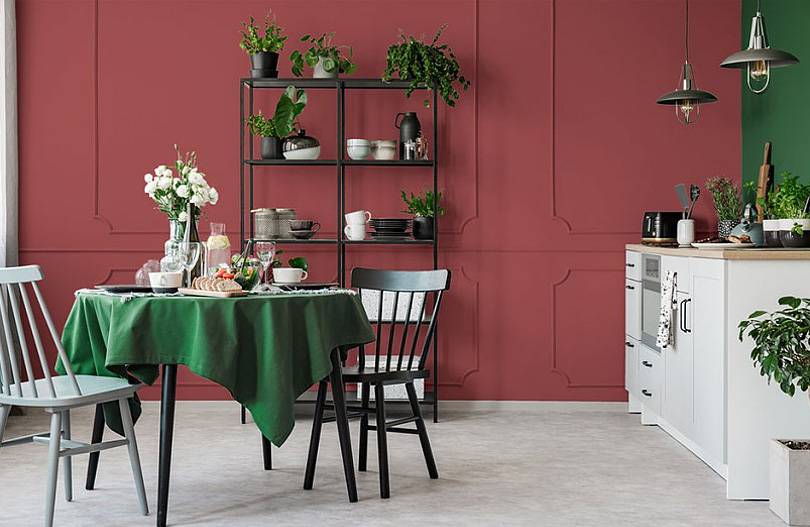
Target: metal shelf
<point>406,241</point>
<point>388,163</point>
<point>311,241</point>
<point>329,84</point>
<point>291,162</point>
<point>333,162</point>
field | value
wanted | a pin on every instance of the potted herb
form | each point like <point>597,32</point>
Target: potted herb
<point>273,130</point>
<point>263,49</point>
<point>787,204</point>
<point>782,354</point>
<point>326,59</point>
<point>727,204</point>
<point>422,208</point>
<point>431,65</point>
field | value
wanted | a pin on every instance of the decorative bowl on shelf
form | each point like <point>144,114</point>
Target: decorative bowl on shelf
<point>301,147</point>
<point>303,234</point>
<point>358,148</point>
<point>384,150</point>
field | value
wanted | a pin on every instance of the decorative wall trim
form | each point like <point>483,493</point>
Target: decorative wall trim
<point>475,366</point>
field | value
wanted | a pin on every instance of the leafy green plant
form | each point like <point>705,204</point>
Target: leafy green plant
<point>419,205</point>
<point>253,42</point>
<point>299,262</point>
<point>726,198</point>
<point>788,199</point>
<point>289,106</point>
<point>781,340</point>
<point>321,47</point>
<point>432,65</point>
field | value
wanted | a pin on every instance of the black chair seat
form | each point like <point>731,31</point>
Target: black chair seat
<point>354,374</point>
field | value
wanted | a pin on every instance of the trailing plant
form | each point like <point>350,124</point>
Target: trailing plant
<point>431,65</point>
<point>253,42</point>
<point>419,205</point>
<point>289,106</point>
<point>726,198</point>
<point>322,48</point>
<point>781,341</point>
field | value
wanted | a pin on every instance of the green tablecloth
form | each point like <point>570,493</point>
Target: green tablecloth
<point>266,350</point>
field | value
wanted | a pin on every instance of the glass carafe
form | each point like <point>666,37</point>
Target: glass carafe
<point>218,246</point>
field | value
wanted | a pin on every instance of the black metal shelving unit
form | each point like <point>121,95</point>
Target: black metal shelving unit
<point>249,166</point>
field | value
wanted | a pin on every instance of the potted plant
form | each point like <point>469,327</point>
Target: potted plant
<point>787,203</point>
<point>727,204</point>
<point>422,207</point>
<point>326,59</point>
<point>263,49</point>
<point>782,354</point>
<point>273,130</point>
<point>431,65</point>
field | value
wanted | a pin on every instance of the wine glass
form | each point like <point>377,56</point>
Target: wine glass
<point>189,253</point>
<point>265,251</point>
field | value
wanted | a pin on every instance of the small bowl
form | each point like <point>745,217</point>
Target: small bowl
<point>165,282</point>
<point>302,234</point>
<point>385,153</point>
<point>304,225</point>
<point>358,152</point>
<point>353,142</point>
<point>303,153</point>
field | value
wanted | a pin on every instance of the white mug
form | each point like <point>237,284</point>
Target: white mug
<point>166,279</point>
<point>289,275</point>
<point>358,217</point>
<point>686,232</point>
<point>355,232</point>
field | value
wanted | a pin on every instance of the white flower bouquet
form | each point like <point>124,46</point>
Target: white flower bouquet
<point>173,190</point>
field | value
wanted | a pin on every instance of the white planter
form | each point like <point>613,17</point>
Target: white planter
<point>790,483</point>
<point>787,225</point>
<point>319,73</point>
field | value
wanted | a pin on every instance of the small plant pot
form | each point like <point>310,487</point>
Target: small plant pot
<point>272,148</point>
<point>319,73</point>
<point>423,228</point>
<point>263,74</point>
<point>264,60</point>
<point>789,481</point>
<point>724,227</point>
<point>790,238</point>
<point>770,233</point>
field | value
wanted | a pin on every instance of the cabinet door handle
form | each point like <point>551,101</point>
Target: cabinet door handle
<point>629,344</point>
<point>647,363</point>
<point>685,329</point>
<point>629,287</point>
<point>646,393</point>
<point>630,265</point>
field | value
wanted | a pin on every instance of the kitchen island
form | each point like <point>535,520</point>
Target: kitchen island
<point>704,390</point>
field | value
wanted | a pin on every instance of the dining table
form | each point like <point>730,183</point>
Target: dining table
<point>265,349</point>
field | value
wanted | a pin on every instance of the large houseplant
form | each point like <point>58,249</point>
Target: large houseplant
<point>423,207</point>
<point>431,65</point>
<point>274,129</point>
<point>262,48</point>
<point>326,59</point>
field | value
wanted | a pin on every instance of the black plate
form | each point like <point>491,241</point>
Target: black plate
<point>389,222</point>
<point>307,285</point>
<point>392,230</point>
<point>390,236</point>
<point>125,288</point>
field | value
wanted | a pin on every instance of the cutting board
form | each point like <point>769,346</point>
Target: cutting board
<point>212,294</point>
<point>765,180</point>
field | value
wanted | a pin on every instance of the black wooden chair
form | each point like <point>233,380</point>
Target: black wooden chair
<point>422,292</point>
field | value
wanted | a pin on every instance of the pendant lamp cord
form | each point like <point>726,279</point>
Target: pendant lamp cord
<point>687,31</point>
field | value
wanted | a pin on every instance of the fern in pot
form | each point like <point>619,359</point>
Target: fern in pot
<point>263,49</point>
<point>274,130</point>
<point>423,207</point>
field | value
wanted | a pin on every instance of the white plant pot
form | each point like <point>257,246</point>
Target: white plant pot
<point>790,483</point>
<point>319,73</point>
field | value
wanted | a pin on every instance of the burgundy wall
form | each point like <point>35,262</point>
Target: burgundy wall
<point>547,162</point>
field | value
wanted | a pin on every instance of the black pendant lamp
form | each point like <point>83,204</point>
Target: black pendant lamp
<point>760,57</point>
<point>687,98</point>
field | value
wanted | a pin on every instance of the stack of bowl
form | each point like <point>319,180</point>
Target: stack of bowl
<point>358,149</point>
<point>390,228</point>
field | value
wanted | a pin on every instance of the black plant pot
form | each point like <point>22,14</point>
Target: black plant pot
<point>791,239</point>
<point>423,228</point>
<point>264,65</point>
<point>271,148</point>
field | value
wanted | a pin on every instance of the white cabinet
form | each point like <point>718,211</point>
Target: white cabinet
<point>631,346</point>
<point>678,403</point>
<point>632,265</point>
<point>681,266</point>
<point>632,309</point>
<point>650,378</point>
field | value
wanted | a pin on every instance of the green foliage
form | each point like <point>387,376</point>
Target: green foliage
<point>781,343</point>
<point>322,47</point>
<point>299,262</point>
<point>290,105</point>
<point>726,198</point>
<point>787,200</point>
<point>419,205</point>
<point>433,65</point>
<point>253,42</point>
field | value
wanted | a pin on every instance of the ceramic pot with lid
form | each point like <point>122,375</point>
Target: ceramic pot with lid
<point>301,146</point>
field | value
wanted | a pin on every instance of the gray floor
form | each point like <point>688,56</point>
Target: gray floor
<point>553,468</point>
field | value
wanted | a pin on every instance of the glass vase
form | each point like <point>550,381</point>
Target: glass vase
<point>169,262</point>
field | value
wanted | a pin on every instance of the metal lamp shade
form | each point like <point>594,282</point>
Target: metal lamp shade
<point>677,96</point>
<point>775,57</point>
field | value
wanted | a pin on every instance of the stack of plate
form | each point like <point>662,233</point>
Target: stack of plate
<point>390,228</point>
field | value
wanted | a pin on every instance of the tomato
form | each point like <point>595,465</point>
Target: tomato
<point>228,276</point>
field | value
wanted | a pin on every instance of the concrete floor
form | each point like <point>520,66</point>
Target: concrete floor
<point>551,467</point>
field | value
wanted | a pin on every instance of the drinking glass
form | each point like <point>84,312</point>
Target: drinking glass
<point>189,253</point>
<point>265,251</point>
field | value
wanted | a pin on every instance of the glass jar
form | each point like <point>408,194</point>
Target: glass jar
<point>218,248</point>
<point>170,262</point>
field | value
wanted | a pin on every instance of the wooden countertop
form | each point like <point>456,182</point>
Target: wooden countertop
<point>725,254</point>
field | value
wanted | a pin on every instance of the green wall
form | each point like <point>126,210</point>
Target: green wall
<point>781,114</point>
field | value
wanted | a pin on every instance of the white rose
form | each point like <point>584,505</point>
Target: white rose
<point>159,169</point>
<point>150,187</point>
<point>198,199</point>
<point>213,195</point>
<point>196,178</point>
<point>183,216</point>
<point>166,172</point>
<point>164,183</point>
<point>185,170</point>
<point>182,191</point>
<point>147,178</point>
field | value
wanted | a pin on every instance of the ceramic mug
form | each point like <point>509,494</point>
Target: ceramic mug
<point>166,280</point>
<point>358,217</point>
<point>355,232</point>
<point>289,275</point>
<point>686,232</point>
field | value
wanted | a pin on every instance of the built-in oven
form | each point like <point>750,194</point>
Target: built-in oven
<point>650,299</point>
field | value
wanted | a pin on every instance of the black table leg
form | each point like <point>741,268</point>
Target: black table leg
<point>98,435</point>
<point>342,422</point>
<point>243,417</point>
<point>167,401</point>
<point>267,454</point>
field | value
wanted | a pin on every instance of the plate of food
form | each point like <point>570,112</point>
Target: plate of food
<point>212,286</point>
<point>732,242</point>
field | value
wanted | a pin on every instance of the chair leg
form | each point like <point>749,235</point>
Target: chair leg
<point>67,462</point>
<point>98,435</point>
<point>54,445</point>
<point>423,435</point>
<point>267,453</point>
<point>382,440</point>
<point>5,410</point>
<point>134,457</point>
<point>363,451</point>
<point>315,439</point>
